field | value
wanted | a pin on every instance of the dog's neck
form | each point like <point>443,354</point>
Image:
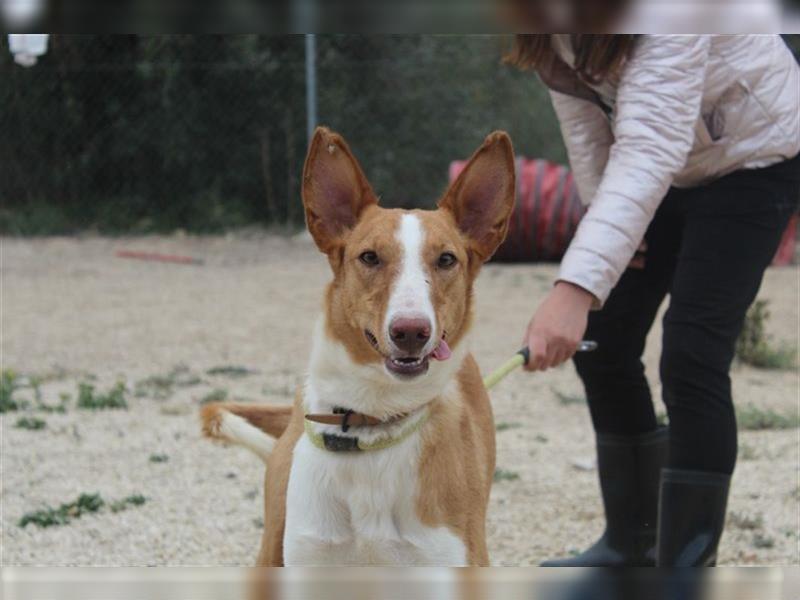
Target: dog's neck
<point>335,380</point>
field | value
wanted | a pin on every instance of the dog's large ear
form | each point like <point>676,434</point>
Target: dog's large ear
<point>482,197</point>
<point>335,190</point>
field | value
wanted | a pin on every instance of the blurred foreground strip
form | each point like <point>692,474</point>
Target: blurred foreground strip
<point>379,583</point>
<point>410,16</point>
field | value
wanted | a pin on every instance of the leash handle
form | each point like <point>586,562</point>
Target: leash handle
<point>521,358</point>
<point>583,346</point>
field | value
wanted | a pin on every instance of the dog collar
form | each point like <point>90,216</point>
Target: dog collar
<point>350,418</point>
<point>345,443</point>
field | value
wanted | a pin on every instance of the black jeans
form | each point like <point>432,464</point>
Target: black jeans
<point>707,247</point>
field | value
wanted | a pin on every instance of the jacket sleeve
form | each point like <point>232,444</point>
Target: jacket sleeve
<point>657,107</point>
<point>587,136</point>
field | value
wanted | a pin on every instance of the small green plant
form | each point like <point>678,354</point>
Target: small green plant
<point>125,503</point>
<point>506,426</point>
<point>505,475</point>
<point>754,346</point>
<point>31,423</point>
<point>752,418</point>
<point>89,399</point>
<point>86,503</point>
<point>8,383</point>
<point>747,452</point>
<point>745,521</point>
<point>174,410</point>
<point>52,408</point>
<point>763,541</point>
<point>61,407</point>
<point>35,383</point>
<point>163,386</point>
<point>49,517</point>
<point>234,371</point>
<point>568,399</point>
<point>158,458</point>
<point>156,386</point>
<point>217,395</point>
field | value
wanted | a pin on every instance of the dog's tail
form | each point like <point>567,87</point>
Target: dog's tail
<point>254,426</point>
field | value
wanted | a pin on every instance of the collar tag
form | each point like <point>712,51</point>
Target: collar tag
<point>340,443</point>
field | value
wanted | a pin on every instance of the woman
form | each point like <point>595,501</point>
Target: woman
<point>686,149</point>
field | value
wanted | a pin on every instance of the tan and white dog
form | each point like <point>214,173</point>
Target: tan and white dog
<point>387,455</point>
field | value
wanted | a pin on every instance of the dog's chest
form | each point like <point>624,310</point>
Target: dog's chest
<point>359,508</point>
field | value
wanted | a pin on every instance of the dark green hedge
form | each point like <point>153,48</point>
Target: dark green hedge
<point>136,133</point>
<point>154,133</point>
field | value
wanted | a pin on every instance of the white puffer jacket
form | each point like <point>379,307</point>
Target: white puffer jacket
<point>685,111</point>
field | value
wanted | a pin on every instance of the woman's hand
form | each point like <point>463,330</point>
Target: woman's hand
<point>557,326</point>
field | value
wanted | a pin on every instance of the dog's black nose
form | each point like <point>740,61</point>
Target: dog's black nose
<point>410,334</point>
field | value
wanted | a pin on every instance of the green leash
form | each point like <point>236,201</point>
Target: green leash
<point>521,358</point>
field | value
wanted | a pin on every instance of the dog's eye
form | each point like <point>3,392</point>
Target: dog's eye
<point>369,258</point>
<point>446,260</point>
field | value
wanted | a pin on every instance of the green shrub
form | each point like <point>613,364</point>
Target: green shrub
<point>35,383</point>
<point>60,408</point>
<point>48,517</point>
<point>31,423</point>
<point>568,399</point>
<point>763,542</point>
<point>108,146</point>
<point>163,386</point>
<point>86,503</point>
<point>506,426</point>
<point>8,383</point>
<point>754,346</point>
<point>752,418</point>
<point>745,521</point>
<point>120,505</point>
<point>504,475</point>
<point>747,452</point>
<point>234,371</point>
<point>89,399</point>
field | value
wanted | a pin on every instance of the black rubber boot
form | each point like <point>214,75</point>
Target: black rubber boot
<point>691,517</point>
<point>630,469</point>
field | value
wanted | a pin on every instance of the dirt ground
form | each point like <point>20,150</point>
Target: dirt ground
<point>74,312</point>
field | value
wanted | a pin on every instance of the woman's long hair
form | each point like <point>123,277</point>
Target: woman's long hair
<point>596,55</point>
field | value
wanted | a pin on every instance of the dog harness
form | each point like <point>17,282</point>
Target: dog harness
<point>348,418</point>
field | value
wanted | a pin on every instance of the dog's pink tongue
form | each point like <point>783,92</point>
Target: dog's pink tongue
<point>442,351</point>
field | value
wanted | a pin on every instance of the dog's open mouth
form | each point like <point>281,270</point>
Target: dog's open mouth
<point>407,366</point>
<point>411,366</point>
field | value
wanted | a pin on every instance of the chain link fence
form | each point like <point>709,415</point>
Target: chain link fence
<point>154,133</point>
<point>203,133</point>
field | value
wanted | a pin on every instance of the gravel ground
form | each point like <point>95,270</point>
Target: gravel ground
<point>72,312</point>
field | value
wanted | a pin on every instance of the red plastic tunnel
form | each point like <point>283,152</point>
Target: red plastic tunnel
<point>548,210</point>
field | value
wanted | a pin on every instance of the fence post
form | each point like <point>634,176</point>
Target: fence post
<point>311,84</point>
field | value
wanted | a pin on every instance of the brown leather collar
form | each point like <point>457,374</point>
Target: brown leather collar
<point>349,418</point>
